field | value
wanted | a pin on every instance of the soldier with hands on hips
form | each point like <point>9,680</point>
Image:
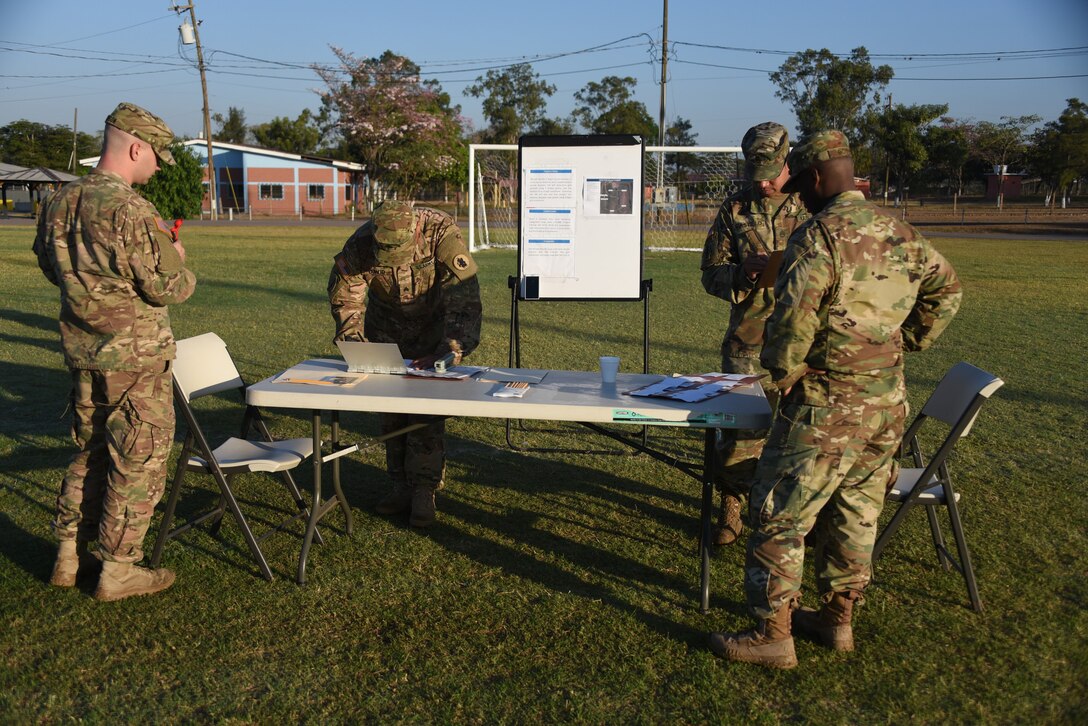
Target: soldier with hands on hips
<point>751,224</point>
<point>858,287</point>
<point>118,267</point>
<point>406,277</point>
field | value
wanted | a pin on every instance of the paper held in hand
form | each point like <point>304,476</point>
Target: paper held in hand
<point>696,387</point>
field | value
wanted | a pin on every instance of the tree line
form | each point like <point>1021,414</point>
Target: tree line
<point>410,135</point>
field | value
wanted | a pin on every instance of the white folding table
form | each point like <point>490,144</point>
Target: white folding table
<point>561,396</point>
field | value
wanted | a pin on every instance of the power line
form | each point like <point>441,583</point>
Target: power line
<point>118,30</point>
<point>994,55</point>
<point>964,79</point>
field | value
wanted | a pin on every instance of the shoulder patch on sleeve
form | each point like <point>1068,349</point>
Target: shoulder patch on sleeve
<point>453,253</point>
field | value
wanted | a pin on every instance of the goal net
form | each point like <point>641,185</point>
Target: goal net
<point>683,188</point>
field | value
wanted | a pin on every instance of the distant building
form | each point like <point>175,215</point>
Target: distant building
<point>862,186</point>
<point>274,183</point>
<point>1009,185</point>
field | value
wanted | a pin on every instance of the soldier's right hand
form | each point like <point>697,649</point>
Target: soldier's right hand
<point>753,266</point>
<point>181,250</point>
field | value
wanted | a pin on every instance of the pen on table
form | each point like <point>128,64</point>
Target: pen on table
<point>310,380</point>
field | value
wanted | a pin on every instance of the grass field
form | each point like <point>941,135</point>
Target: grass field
<point>554,588</point>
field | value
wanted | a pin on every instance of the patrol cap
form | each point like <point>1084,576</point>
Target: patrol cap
<point>145,126</point>
<point>765,147</point>
<point>394,228</point>
<point>822,146</point>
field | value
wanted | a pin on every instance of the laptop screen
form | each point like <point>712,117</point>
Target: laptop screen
<point>372,357</point>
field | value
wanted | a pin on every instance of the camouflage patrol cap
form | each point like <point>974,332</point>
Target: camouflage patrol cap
<point>822,146</point>
<point>765,147</point>
<point>145,126</point>
<point>394,229</point>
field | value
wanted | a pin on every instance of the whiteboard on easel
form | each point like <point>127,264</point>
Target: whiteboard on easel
<point>580,217</point>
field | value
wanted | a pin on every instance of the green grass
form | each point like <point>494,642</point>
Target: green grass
<point>555,588</point>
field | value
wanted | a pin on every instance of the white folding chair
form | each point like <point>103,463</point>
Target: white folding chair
<point>955,402</point>
<point>204,367</point>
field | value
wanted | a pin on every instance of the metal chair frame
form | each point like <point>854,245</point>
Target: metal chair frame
<point>955,402</point>
<point>203,367</point>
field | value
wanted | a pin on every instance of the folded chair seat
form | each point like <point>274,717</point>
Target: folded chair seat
<point>236,456</point>
<point>908,480</point>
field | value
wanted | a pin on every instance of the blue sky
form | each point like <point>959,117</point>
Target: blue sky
<point>63,55</point>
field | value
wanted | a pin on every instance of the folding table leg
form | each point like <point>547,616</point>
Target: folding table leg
<point>336,474</point>
<point>705,519</point>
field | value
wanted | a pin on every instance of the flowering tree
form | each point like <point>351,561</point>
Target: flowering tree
<point>383,109</point>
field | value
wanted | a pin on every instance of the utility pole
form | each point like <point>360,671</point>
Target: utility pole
<point>887,159</point>
<point>661,112</point>
<point>194,29</point>
<point>664,66</point>
<point>75,138</point>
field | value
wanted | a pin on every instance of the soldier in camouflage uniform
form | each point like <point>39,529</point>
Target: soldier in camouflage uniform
<point>752,223</point>
<point>406,277</point>
<point>858,287</point>
<point>117,266</point>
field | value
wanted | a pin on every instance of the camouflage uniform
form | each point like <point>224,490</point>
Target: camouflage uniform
<point>746,225</point>
<point>857,288</point>
<point>113,259</point>
<point>415,287</point>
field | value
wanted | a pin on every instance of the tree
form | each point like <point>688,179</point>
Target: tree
<point>301,136</point>
<point>608,107</point>
<point>31,144</point>
<point>946,147</point>
<point>828,92</point>
<point>1059,150</point>
<point>438,157</point>
<point>232,127</point>
<point>898,132</point>
<point>554,127</point>
<point>679,133</point>
<point>383,107</point>
<point>177,191</point>
<point>514,103</point>
<point>1004,143</point>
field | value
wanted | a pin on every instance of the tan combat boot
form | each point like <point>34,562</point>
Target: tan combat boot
<point>830,625</point>
<point>768,644</point>
<point>398,500</point>
<point>729,522</point>
<point>124,579</point>
<point>422,507</point>
<point>72,559</point>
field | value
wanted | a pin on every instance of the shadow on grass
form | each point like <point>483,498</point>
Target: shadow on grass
<point>26,550</point>
<point>310,297</point>
<point>265,503</point>
<point>548,518</point>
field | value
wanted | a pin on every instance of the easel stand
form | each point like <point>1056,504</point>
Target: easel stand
<point>515,362</point>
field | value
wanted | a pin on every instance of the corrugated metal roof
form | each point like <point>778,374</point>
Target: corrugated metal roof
<point>39,174</point>
<point>223,145</point>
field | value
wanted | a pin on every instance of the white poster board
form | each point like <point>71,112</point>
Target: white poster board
<point>580,217</point>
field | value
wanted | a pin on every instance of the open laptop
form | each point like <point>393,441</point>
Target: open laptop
<point>372,357</point>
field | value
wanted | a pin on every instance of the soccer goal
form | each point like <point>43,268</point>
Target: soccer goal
<point>684,186</point>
